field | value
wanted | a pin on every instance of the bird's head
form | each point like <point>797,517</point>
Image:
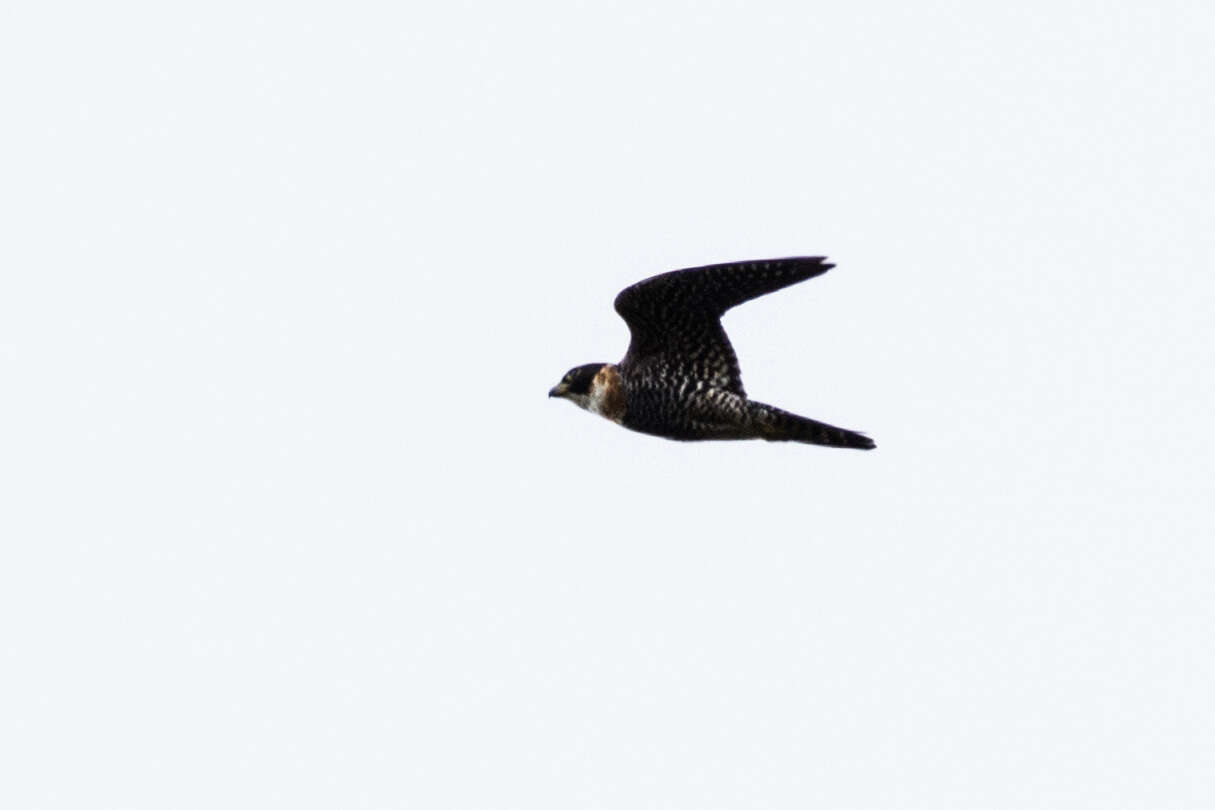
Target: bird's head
<point>578,385</point>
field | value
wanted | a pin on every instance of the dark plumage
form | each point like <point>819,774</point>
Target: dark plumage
<point>579,379</point>
<point>680,377</point>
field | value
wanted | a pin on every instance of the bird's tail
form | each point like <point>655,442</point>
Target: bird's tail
<point>776,425</point>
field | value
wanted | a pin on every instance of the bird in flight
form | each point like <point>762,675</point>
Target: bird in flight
<point>680,378</point>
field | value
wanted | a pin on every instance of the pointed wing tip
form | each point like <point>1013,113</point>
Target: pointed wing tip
<point>819,264</point>
<point>764,276</point>
<point>857,441</point>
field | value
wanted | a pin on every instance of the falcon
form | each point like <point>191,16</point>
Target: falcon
<point>679,378</point>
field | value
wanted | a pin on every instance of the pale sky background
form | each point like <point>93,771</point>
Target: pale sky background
<point>289,521</point>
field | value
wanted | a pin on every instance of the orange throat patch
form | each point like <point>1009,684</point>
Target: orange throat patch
<point>607,394</point>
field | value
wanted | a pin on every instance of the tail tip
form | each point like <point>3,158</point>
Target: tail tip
<point>862,442</point>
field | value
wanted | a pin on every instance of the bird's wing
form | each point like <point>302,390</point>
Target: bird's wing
<point>675,318</point>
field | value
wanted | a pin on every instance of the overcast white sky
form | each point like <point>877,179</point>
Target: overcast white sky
<point>289,521</point>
